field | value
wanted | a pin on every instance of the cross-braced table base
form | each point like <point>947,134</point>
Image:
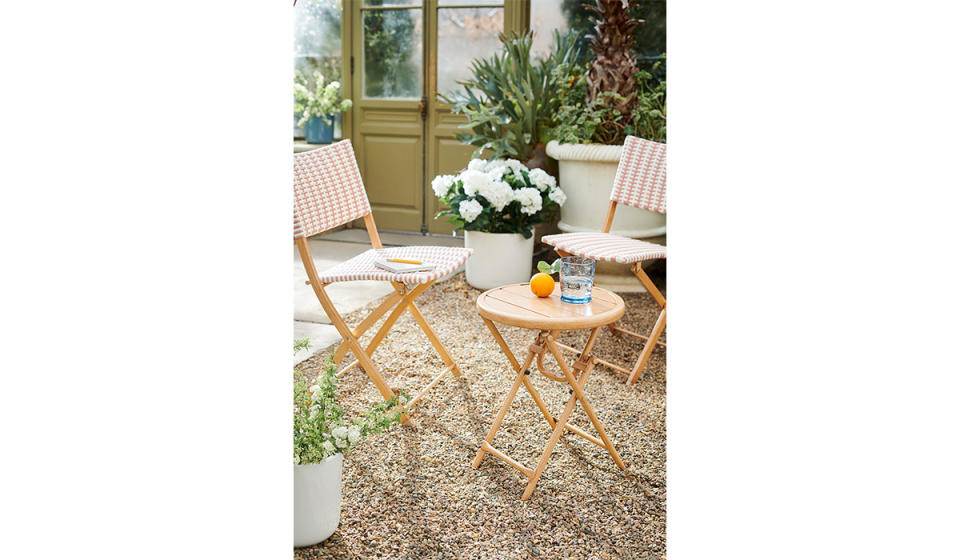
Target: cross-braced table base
<point>576,376</point>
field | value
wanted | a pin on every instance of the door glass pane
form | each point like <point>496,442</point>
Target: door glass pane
<point>378,3</point>
<point>462,35</point>
<point>392,53</point>
<point>446,3</point>
<point>316,43</point>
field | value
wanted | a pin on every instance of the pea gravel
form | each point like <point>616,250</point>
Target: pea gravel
<point>412,493</point>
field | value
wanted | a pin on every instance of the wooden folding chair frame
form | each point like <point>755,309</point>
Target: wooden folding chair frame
<point>653,338</point>
<point>400,300</point>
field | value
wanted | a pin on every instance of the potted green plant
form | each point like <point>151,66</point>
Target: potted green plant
<point>498,202</point>
<point>603,102</point>
<point>510,99</point>
<point>321,435</point>
<point>318,103</point>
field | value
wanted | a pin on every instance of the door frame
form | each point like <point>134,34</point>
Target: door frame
<point>516,17</point>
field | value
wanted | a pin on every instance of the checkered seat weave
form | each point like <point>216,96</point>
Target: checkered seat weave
<point>606,247</point>
<point>641,182</point>
<point>641,179</point>
<point>361,267</point>
<point>327,189</point>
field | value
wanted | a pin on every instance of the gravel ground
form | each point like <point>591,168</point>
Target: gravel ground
<point>411,492</point>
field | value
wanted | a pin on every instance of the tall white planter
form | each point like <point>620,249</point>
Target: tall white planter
<point>498,259</point>
<point>316,500</point>
<point>586,176</point>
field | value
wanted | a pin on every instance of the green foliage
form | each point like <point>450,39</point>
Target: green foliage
<point>317,99</point>
<point>320,429</point>
<point>552,268</point>
<point>510,99</point>
<point>579,121</point>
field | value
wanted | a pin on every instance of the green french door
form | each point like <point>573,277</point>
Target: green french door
<point>401,53</point>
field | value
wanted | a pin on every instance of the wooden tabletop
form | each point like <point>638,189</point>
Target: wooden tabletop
<point>516,305</point>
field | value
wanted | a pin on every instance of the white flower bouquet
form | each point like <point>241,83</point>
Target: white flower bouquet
<point>319,100</point>
<point>320,429</point>
<point>499,196</point>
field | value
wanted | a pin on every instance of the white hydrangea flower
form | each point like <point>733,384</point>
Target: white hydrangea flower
<point>493,164</point>
<point>353,434</point>
<point>340,432</point>
<point>529,199</point>
<point>498,194</point>
<point>558,196</point>
<point>477,165</point>
<point>328,445</point>
<point>341,443</point>
<point>515,165</point>
<point>441,185</point>
<point>314,388</point>
<point>542,180</point>
<point>474,181</point>
<point>497,173</point>
<point>469,210</point>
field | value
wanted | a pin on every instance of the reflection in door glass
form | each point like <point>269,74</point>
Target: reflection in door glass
<point>316,45</point>
<point>462,35</point>
<point>392,53</point>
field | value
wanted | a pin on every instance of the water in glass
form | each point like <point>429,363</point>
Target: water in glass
<point>576,279</point>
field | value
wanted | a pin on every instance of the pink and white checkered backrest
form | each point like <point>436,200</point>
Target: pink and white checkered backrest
<point>327,189</point>
<point>641,179</point>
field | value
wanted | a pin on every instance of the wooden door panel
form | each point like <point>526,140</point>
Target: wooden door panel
<point>393,180</point>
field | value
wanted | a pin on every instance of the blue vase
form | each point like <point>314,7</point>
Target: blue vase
<point>317,131</point>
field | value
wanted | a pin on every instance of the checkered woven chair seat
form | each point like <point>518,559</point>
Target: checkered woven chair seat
<point>361,267</point>
<point>606,247</point>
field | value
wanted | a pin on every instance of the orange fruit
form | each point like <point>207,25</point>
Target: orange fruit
<point>541,284</point>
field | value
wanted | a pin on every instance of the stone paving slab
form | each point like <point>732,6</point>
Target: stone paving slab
<point>321,338</point>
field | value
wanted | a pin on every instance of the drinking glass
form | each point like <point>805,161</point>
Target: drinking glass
<point>576,279</point>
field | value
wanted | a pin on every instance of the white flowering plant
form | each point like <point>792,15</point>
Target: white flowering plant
<point>320,427</point>
<point>499,196</point>
<point>319,99</point>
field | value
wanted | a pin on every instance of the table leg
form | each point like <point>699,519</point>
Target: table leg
<point>521,378</point>
<point>578,394</point>
<point>575,376</point>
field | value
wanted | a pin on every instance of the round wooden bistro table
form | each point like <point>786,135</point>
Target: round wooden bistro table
<point>515,305</point>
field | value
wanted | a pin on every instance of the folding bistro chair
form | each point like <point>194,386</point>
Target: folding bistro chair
<point>641,182</point>
<point>328,192</point>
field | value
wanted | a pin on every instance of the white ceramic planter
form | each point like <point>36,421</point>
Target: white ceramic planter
<point>586,176</point>
<point>316,500</point>
<point>498,259</point>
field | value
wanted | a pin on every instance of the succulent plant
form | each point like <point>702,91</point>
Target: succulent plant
<point>510,99</point>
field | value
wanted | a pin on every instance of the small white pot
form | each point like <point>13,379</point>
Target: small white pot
<point>316,500</point>
<point>587,172</point>
<point>498,259</point>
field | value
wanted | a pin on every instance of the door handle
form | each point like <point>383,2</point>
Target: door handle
<point>423,108</point>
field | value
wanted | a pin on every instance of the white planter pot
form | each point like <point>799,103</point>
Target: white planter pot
<point>498,259</point>
<point>586,176</point>
<point>316,500</point>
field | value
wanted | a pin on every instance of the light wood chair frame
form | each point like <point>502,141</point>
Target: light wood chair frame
<point>402,299</point>
<point>575,375</point>
<point>651,340</point>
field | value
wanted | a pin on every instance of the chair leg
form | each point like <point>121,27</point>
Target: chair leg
<point>367,322</point>
<point>434,340</point>
<point>648,347</point>
<point>354,345</point>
